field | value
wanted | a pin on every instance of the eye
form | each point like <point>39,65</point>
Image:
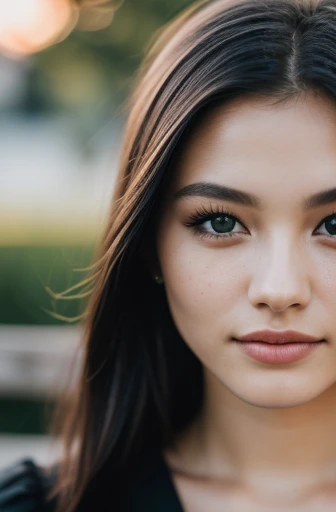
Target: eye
<point>215,224</point>
<point>223,224</point>
<point>330,225</point>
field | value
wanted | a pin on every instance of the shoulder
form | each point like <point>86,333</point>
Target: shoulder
<point>23,488</point>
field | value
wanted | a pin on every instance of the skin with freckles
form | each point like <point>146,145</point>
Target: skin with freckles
<point>265,438</point>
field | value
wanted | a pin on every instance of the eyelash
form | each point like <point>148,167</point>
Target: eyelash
<point>203,215</point>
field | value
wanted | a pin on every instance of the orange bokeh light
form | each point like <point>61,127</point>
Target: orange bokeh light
<point>27,26</point>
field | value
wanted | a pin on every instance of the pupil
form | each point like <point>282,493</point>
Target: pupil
<point>331,226</point>
<point>223,224</point>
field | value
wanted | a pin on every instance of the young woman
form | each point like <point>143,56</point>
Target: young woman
<point>209,376</point>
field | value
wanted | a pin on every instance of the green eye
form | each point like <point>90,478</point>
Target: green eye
<point>223,224</point>
<point>330,225</point>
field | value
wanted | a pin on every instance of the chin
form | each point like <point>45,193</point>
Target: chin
<point>272,396</point>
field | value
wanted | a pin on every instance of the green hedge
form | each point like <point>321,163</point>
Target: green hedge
<point>25,416</point>
<point>31,276</point>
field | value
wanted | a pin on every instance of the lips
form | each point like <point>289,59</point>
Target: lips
<point>278,337</point>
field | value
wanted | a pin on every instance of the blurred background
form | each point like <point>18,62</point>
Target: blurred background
<point>66,69</point>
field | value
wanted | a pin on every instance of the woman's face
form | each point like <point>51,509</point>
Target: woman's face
<point>271,266</point>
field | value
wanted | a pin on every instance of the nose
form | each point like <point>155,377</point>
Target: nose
<point>281,277</point>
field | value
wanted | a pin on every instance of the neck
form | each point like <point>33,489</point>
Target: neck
<point>292,446</point>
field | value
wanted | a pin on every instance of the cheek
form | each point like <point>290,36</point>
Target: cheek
<point>323,270</point>
<point>203,286</point>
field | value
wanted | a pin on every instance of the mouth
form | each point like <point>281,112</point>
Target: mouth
<point>278,353</point>
<point>278,337</point>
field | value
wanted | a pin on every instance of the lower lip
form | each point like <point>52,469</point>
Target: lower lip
<point>277,354</point>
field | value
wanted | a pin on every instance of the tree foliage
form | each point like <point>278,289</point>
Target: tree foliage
<point>96,66</point>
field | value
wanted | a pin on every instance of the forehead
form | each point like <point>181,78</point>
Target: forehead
<point>255,145</point>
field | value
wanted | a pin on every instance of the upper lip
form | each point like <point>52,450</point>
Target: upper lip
<point>278,337</point>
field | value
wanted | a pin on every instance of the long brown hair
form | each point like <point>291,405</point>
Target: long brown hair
<point>140,384</point>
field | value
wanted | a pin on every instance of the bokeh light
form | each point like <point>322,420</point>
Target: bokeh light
<point>28,26</point>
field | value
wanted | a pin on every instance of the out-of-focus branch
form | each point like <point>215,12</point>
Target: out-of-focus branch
<point>113,3</point>
<point>96,14</point>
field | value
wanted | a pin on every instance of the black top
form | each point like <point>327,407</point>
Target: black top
<point>24,485</point>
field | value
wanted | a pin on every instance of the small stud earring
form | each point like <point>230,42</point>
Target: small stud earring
<point>158,279</point>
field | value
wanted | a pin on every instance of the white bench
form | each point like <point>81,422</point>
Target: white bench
<point>37,361</point>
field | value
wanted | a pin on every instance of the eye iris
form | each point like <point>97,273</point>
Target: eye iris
<point>223,224</point>
<point>331,226</point>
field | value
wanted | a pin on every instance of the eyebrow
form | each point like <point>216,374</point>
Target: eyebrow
<point>223,193</point>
